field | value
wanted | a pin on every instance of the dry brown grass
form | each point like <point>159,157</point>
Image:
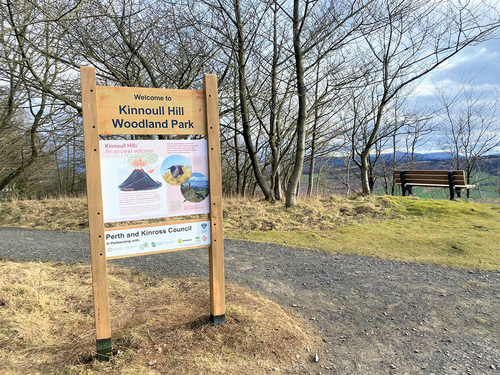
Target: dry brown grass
<point>242,215</point>
<point>65,214</point>
<point>160,326</point>
<point>51,213</point>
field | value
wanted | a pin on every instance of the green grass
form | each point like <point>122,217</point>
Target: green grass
<point>458,234</point>
<point>487,191</point>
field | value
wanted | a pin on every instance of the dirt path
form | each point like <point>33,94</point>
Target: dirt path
<point>376,316</point>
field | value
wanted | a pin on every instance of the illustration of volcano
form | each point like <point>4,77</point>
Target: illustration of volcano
<point>139,180</point>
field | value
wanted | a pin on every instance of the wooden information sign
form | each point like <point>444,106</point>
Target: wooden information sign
<point>143,193</point>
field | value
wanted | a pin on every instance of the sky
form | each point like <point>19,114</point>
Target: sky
<point>173,160</point>
<point>481,61</point>
<point>197,180</point>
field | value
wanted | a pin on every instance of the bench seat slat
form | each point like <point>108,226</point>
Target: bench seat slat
<point>438,185</point>
<point>430,177</point>
<point>429,185</point>
<point>434,173</point>
<point>430,181</point>
<point>426,178</point>
<point>439,182</point>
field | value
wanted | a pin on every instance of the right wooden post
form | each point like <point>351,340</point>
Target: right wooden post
<point>216,250</point>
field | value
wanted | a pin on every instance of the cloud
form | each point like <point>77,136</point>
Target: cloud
<point>482,61</point>
<point>196,177</point>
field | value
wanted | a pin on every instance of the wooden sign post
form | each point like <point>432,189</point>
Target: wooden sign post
<point>127,110</point>
<point>216,249</point>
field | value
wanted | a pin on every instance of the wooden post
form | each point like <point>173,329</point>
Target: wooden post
<point>402,177</point>
<point>451,183</point>
<point>96,221</point>
<point>216,250</point>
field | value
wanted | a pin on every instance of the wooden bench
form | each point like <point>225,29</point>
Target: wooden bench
<point>453,180</point>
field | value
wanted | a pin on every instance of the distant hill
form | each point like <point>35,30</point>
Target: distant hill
<point>402,156</point>
<point>438,157</point>
<point>428,161</point>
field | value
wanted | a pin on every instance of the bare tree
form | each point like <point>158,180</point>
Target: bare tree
<point>335,23</point>
<point>30,104</point>
<point>470,123</point>
<point>409,40</point>
<point>41,12</point>
<point>233,27</point>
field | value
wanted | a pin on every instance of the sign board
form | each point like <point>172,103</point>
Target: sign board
<point>134,179</point>
<point>141,240</point>
<point>136,110</point>
<point>153,179</point>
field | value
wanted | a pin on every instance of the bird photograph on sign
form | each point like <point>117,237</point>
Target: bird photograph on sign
<point>176,170</point>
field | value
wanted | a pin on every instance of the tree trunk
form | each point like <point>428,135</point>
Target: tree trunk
<point>365,173</point>
<point>291,192</point>
<point>310,184</point>
<point>394,166</point>
<point>274,140</point>
<point>245,117</point>
<point>235,141</point>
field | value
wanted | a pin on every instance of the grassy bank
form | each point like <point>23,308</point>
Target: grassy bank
<point>462,233</point>
<point>47,325</point>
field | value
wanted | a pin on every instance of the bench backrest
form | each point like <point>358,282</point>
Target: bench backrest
<point>430,177</point>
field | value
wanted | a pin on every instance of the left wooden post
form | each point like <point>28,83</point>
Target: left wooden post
<point>96,220</point>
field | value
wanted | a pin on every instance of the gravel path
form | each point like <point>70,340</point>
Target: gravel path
<point>375,316</point>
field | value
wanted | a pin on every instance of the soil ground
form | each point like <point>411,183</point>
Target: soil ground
<point>376,316</point>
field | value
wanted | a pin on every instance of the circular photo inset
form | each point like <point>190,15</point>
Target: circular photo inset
<point>196,188</point>
<point>176,170</point>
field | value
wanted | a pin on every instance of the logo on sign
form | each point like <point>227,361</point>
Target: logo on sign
<point>204,228</point>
